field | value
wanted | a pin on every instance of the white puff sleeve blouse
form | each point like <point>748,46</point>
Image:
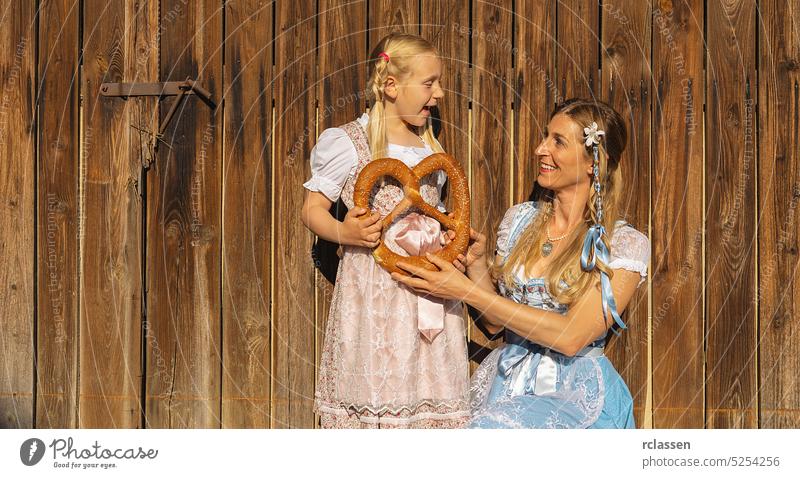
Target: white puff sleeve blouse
<point>334,157</point>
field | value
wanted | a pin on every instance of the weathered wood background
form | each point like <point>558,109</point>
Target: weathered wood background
<point>183,295</point>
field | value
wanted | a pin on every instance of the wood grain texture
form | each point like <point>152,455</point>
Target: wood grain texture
<point>125,289</point>
<point>57,219</point>
<point>387,16</point>
<point>445,23</point>
<point>578,41</point>
<point>247,215</point>
<point>625,85</point>
<point>341,82</point>
<point>731,376</point>
<point>293,280</point>
<point>536,88</point>
<point>18,217</point>
<point>184,232</point>
<point>491,146</point>
<point>677,229</point>
<point>779,193</point>
<point>116,49</point>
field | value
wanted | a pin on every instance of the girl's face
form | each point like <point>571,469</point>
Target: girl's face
<point>563,160</point>
<point>416,94</point>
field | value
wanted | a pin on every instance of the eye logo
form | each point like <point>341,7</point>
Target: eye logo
<point>31,451</point>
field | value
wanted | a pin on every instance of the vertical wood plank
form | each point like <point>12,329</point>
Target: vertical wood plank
<point>293,281</point>
<point>731,375</point>
<point>341,98</point>
<point>183,229</point>
<point>18,219</point>
<point>779,192</point>
<point>492,142</point>
<point>578,42</point>
<point>115,45</point>
<point>626,86</point>
<point>57,215</point>
<point>677,224</point>
<point>445,23</point>
<point>247,215</point>
<point>536,88</point>
<point>387,16</point>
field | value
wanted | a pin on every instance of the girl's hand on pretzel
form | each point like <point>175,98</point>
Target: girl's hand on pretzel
<point>361,229</point>
<point>448,282</point>
<point>476,250</point>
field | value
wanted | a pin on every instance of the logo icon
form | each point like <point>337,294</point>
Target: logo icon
<point>31,451</point>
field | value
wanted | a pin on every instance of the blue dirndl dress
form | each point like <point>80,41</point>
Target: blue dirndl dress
<point>522,384</point>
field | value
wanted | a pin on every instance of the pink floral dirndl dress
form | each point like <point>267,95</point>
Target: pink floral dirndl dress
<point>380,367</point>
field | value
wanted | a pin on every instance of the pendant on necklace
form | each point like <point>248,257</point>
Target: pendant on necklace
<point>547,248</point>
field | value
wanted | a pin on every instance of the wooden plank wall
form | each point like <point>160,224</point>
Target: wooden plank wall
<point>778,195</point>
<point>677,241</point>
<point>173,287</point>
<point>625,84</point>
<point>18,220</point>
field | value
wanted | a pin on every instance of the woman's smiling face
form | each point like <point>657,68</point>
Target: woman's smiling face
<point>416,94</point>
<point>563,161</point>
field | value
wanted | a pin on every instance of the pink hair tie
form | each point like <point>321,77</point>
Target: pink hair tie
<point>384,55</point>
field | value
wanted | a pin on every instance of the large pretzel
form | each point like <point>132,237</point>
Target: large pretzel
<point>410,180</point>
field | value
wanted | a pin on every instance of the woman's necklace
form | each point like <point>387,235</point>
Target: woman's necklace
<point>547,247</point>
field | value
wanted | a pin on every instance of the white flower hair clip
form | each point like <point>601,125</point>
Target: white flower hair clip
<point>592,134</point>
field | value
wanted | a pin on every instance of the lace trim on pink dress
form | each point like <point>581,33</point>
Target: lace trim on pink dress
<point>376,369</point>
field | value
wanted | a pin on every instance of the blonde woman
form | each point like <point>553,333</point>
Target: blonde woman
<point>565,268</point>
<point>391,357</point>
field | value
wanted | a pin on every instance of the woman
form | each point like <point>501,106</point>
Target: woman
<point>565,269</point>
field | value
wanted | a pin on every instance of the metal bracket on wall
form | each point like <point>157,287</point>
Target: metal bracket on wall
<point>170,88</point>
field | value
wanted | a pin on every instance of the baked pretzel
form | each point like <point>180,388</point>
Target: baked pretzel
<point>410,180</point>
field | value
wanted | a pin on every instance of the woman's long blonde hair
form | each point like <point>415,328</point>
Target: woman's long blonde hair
<point>566,265</point>
<point>402,48</point>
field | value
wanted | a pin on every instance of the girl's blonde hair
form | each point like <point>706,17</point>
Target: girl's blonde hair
<point>401,48</point>
<point>566,266</point>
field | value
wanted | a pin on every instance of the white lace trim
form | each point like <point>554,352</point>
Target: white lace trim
<point>630,265</point>
<point>482,380</point>
<point>385,414</point>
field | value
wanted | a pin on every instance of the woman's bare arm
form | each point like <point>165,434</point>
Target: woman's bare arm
<point>567,334</point>
<point>478,273</point>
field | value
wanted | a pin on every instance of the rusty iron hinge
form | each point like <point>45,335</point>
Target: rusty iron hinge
<point>170,88</point>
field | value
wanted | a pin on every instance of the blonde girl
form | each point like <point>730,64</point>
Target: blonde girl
<point>391,357</point>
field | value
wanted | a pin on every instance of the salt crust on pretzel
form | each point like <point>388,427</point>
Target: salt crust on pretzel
<point>410,178</point>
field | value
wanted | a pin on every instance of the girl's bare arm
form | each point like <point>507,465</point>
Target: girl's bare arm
<point>358,228</point>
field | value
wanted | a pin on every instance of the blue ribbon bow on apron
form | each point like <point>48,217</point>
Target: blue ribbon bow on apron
<point>517,349</point>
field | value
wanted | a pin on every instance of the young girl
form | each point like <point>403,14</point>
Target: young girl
<point>391,358</point>
<point>562,282</point>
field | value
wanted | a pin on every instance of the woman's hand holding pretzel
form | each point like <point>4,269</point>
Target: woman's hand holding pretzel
<point>475,252</point>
